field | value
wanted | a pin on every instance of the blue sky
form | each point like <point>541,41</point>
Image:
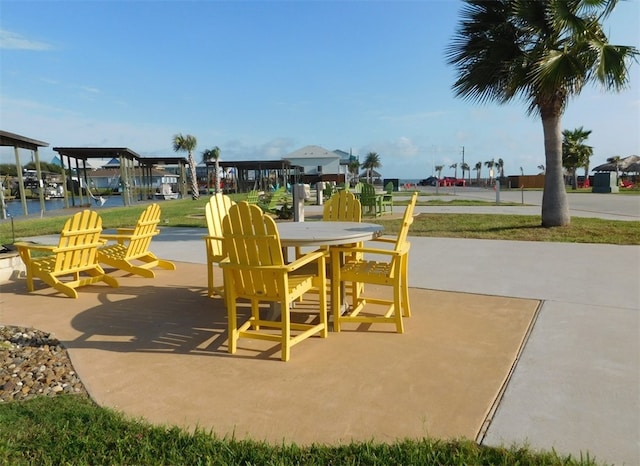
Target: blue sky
<point>261,79</point>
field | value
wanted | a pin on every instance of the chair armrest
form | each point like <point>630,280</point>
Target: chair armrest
<point>305,259</point>
<point>110,236</point>
<point>383,239</point>
<point>125,231</point>
<point>214,238</point>
<point>365,250</point>
<point>35,246</point>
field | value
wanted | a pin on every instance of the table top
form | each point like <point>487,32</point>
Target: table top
<point>321,233</point>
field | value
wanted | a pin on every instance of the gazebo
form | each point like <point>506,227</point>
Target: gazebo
<point>133,167</point>
<point>17,141</point>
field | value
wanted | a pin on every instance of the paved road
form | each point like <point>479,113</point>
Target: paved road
<point>606,206</point>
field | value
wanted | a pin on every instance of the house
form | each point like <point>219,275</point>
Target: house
<point>318,164</point>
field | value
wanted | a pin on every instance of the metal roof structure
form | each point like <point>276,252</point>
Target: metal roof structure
<point>84,153</point>
<point>283,169</point>
<point>8,139</point>
<point>18,141</point>
<point>130,162</point>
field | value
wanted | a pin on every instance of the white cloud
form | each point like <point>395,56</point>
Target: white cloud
<point>14,41</point>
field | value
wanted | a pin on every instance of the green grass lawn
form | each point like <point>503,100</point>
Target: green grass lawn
<point>72,430</point>
<point>189,213</point>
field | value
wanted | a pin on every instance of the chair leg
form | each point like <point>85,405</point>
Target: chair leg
<point>286,332</point>
<point>406,309</point>
<point>397,306</point>
<point>233,324</point>
<point>210,279</point>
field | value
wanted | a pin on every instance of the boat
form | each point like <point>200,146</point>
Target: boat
<point>165,192</point>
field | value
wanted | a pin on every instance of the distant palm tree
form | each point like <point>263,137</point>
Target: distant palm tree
<point>465,168</point>
<point>438,169</point>
<point>455,167</point>
<point>541,168</point>
<point>544,52</point>
<point>478,169</point>
<point>371,162</point>
<point>354,168</point>
<point>490,164</point>
<point>500,165</point>
<point>616,159</point>
<point>575,153</point>
<point>188,143</point>
<point>207,156</point>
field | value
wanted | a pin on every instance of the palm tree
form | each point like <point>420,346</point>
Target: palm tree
<point>500,165</point>
<point>465,168</point>
<point>438,169</point>
<point>455,167</point>
<point>575,153</point>
<point>188,143</point>
<point>371,162</point>
<point>490,164</point>
<point>616,159</point>
<point>207,156</point>
<point>544,52</point>
<point>354,168</point>
<point>478,169</point>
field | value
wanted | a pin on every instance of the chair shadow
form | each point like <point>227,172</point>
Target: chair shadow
<point>159,318</point>
<point>162,319</point>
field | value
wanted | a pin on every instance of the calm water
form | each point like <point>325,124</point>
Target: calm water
<point>14,208</point>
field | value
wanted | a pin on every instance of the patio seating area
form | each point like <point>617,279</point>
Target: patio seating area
<point>157,349</point>
<point>161,346</point>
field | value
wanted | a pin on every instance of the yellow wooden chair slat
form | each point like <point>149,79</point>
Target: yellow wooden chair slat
<point>391,272</point>
<point>131,251</point>
<point>73,262</point>
<point>255,270</point>
<point>215,211</point>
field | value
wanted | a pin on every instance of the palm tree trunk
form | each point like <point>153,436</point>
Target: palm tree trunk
<point>195,192</point>
<point>216,179</point>
<point>555,207</point>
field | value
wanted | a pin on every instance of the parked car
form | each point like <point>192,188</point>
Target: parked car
<point>431,181</point>
<point>451,181</point>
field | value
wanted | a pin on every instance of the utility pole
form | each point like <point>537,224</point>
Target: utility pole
<point>463,155</point>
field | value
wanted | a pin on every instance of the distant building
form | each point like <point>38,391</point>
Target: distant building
<point>320,164</point>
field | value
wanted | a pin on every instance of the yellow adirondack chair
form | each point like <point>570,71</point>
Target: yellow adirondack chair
<point>215,211</point>
<point>255,270</point>
<point>74,256</point>
<point>392,272</point>
<point>345,207</point>
<point>342,206</point>
<point>131,251</point>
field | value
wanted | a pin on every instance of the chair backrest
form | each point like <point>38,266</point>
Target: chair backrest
<point>251,241</point>
<point>358,187</point>
<point>215,211</point>
<point>79,241</point>
<point>146,228</point>
<point>367,194</point>
<point>389,187</point>
<point>342,206</point>
<point>253,197</point>
<point>407,221</point>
